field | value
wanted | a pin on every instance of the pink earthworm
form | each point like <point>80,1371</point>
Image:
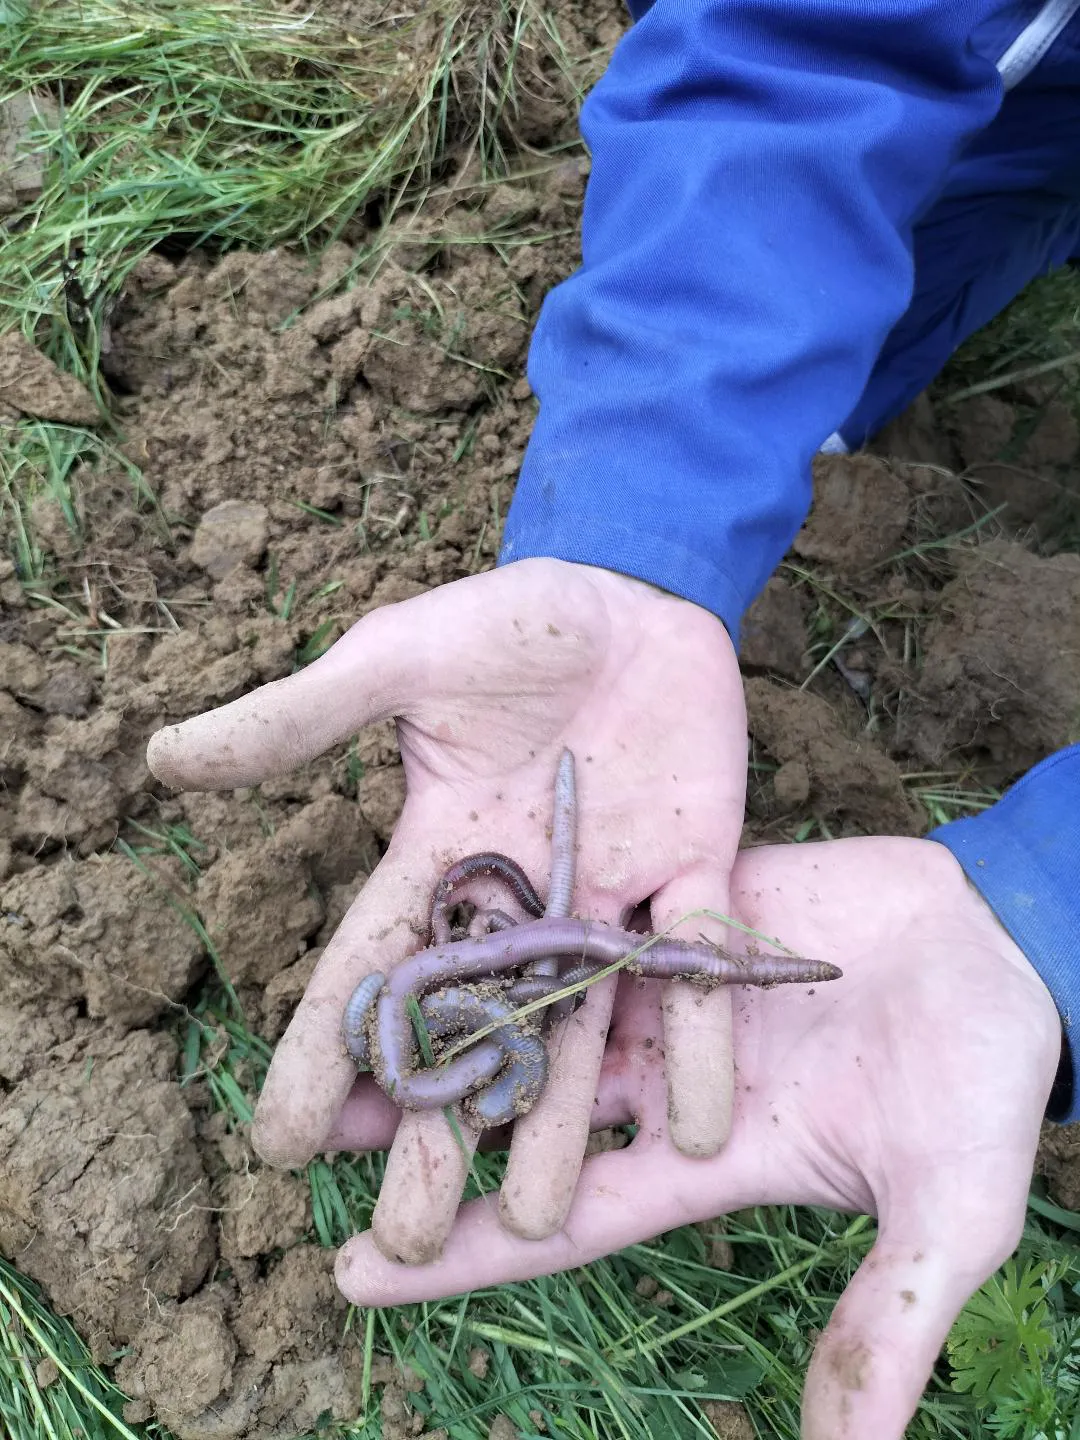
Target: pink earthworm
<point>584,941</point>
<point>563,859</point>
<point>376,1024</point>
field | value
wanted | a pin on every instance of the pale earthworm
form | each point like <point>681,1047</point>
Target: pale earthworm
<point>354,1024</point>
<point>377,1027</point>
<point>563,843</point>
<point>586,941</point>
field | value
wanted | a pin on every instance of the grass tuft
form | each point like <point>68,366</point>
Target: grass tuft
<point>49,1385</point>
<point>226,124</point>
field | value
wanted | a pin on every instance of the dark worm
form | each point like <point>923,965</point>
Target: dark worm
<point>560,1009</point>
<point>474,867</point>
<point>533,987</point>
<point>487,922</point>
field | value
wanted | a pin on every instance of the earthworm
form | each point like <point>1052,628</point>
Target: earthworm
<point>455,1080</point>
<point>377,1028</point>
<point>586,941</point>
<point>488,862</point>
<point>486,922</point>
<point>354,1025</point>
<point>447,1083</point>
<point>563,839</point>
<point>560,1009</point>
<point>533,987</point>
<point>463,1010</point>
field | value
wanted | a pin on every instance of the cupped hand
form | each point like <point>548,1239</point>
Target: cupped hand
<point>912,1089</point>
<point>488,679</point>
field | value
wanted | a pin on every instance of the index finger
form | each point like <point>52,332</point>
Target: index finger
<point>311,1073</point>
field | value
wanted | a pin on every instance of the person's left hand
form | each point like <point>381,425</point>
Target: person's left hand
<point>488,679</point>
<point>912,1089</point>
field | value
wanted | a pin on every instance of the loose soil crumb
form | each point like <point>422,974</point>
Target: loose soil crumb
<point>860,512</point>
<point>503,1428</point>
<point>1059,1161</point>
<point>33,385</point>
<point>824,761</point>
<point>729,1419</point>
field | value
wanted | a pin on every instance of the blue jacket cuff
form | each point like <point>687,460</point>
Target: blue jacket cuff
<point>1023,856</point>
<point>586,539</point>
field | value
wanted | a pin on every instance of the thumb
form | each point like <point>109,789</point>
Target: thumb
<point>359,681</point>
<point>874,1359</point>
<point>624,1197</point>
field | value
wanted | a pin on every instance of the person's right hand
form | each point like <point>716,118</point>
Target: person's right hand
<point>488,679</point>
<point>912,1089</point>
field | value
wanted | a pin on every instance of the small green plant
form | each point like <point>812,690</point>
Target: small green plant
<point>1015,1352</point>
<point>1002,1331</point>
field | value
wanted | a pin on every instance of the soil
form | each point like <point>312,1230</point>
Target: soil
<point>316,448</point>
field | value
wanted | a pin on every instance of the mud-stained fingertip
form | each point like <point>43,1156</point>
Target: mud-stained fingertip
<point>281,1152</point>
<point>161,756</point>
<point>366,1277</point>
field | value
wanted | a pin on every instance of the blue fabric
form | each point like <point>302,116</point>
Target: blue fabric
<point>758,167</point>
<point>1023,856</point>
<point>765,175</point>
<point>1009,213</point>
<point>771,178</point>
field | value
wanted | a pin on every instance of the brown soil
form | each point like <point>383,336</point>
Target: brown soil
<point>317,449</point>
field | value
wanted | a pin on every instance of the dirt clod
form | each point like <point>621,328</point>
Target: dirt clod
<point>263,1211</point>
<point>1001,670</point>
<point>230,534</point>
<point>272,884</point>
<point>842,771</point>
<point>773,633</point>
<point>96,930</point>
<point>33,385</point>
<point>103,1195</point>
<point>860,510</point>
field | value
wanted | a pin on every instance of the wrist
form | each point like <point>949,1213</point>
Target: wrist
<point>981,920</point>
<point>1021,857</point>
<point>665,564</point>
<point>623,593</point>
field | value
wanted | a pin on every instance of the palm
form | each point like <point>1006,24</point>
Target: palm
<point>912,1089</point>
<point>488,679</point>
<point>643,690</point>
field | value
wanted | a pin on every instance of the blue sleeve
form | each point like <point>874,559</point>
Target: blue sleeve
<point>757,166</point>
<point>1023,856</point>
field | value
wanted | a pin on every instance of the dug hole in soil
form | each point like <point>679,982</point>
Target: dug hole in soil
<point>128,1197</point>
